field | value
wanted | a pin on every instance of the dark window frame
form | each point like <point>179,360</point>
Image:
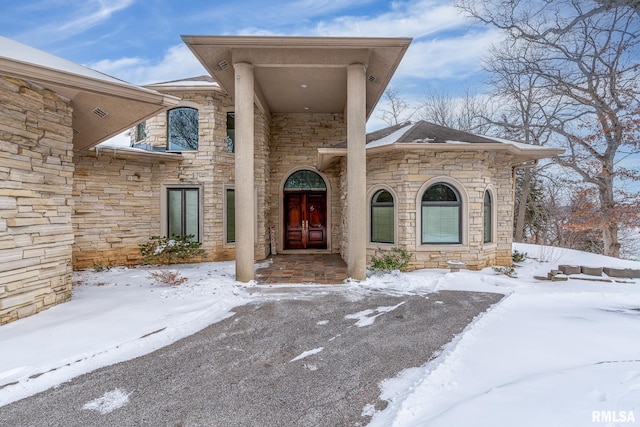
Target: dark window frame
<point>171,144</point>
<point>229,217</point>
<point>376,204</point>
<point>487,229</point>
<point>231,132</point>
<point>445,203</point>
<point>183,210</point>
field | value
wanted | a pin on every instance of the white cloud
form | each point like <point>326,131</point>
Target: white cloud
<point>82,17</point>
<point>177,63</point>
<point>446,58</point>
<point>408,19</point>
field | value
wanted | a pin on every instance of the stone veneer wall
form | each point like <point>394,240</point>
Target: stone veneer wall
<point>120,199</point>
<point>406,172</point>
<point>295,139</point>
<point>116,206</point>
<point>36,174</point>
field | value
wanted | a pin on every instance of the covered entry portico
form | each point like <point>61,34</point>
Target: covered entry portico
<point>300,75</point>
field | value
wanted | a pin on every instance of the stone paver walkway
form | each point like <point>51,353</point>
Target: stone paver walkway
<point>303,268</point>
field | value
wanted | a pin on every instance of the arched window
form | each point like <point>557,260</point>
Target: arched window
<point>305,180</point>
<point>182,129</point>
<point>488,215</point>
<point>441,215</point>
<point>382,222</point>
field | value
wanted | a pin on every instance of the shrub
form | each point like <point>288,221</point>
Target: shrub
<point>394,259</point>
<point>170,250</point>
<point>166,277</point>
<point>519,256</point>
<point>507,271</point>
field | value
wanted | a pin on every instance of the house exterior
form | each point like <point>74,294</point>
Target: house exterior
<point>266,154</point>
<point>50,109</point>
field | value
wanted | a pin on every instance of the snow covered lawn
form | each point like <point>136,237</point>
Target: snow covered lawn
<point>551,353</point>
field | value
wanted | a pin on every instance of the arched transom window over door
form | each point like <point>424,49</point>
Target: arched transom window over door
<point>441,215</point>
<point>305,211</point>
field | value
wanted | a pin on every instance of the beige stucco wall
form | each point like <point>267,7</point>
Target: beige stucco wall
<point>408,173</point>
<point>36,173</point>
<point>120,201</point>
<point>295,139</point>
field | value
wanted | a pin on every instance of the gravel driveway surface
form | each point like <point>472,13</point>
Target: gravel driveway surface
<point>310,360</point>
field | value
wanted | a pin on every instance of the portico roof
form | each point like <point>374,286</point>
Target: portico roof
<point>301,74</point>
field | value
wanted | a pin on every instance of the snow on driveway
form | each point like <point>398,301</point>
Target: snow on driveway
<point>551,353</point>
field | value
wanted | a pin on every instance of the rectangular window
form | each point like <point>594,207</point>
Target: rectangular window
<point>231,132</point>
<point>382,224</point>
<point>440,224</point>
<point>183,218</point>
<point>182,129</point>
<point>231,215</point>
<point>141,131</point>
<point>487,225</point>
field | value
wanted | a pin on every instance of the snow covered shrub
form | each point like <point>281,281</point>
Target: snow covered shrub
<point>166,277</point>
<point>394,259</point>
<point>519,256</point>
<point>507,271</point>
<point>170,250</point>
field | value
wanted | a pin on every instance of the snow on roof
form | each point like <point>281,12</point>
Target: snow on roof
<point>391,138</point>
<point>520,145</point>
<point>18,52</point>
<point>204,81</point>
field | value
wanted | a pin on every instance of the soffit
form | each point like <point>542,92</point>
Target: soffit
<point>103,106</point>
<point>301,74</point>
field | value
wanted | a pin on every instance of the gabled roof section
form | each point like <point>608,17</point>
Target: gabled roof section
<point>301,74</point>
<point>103,106</point>
<point>427,136</point>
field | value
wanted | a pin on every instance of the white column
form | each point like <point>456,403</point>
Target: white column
<point>244,173</point>
<point>356,171</point>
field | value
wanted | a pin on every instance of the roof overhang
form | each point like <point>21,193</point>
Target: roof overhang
<point>102,105</point>
<point>301,74</point>
<point>521,152</point>
<point>129,153</point>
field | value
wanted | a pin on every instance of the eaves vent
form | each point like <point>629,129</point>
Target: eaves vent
<point>100,113</point>
<point>372,79</point>
<point>223,64</point>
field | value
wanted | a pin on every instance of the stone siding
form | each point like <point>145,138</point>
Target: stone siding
<point>36,174</point>
<point>295,139</point>
<point>406,172</point>
<point>120,200</point>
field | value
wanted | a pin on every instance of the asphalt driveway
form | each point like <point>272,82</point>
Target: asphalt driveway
<point>315,360</point>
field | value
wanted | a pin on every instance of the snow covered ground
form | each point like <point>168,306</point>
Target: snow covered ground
<point>551,353</point>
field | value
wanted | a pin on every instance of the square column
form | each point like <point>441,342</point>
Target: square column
<point>356,171</point>
<point>244,172</point>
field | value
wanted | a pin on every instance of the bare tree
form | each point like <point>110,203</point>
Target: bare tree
<point>584,55</point>
<point>397,109</point>
<point>469,112</point>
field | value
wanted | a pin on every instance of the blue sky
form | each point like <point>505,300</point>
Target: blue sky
<point>139,41</point>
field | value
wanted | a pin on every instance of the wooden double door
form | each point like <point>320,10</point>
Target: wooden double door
<point>305,220</point>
